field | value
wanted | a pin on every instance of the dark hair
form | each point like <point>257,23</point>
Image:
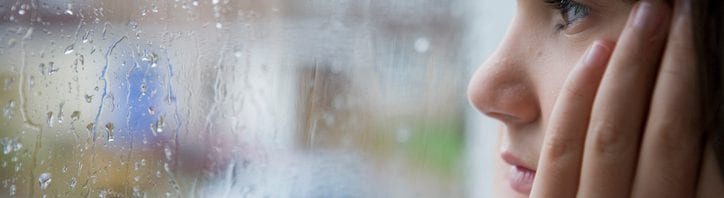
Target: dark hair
<point>708,24</point>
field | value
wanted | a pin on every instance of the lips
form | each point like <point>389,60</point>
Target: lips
<point>521,177</point>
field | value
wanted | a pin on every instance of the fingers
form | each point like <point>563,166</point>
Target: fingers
<point>672,131</point>
<point>560,162</point>
<point>620,107</point>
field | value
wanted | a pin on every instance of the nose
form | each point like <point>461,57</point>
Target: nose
<point>502,88</point>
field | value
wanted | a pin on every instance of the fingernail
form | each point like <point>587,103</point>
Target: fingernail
<point>597,55</point>
<point>648,17</point>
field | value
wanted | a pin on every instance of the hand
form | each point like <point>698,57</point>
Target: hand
<point>627,121</point>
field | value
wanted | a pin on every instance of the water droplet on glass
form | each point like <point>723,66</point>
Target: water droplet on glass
<point>51,68</point>
<point>219,26</point>
<point>42,68</point>
<point>75,115</point>
<point>144,88</point>
<point>21,12</point>
<point>136,191</point>
<point>81,59</point>
<point>8,110</point>
<point>86,37</point>
<point>151,58</point>
<point>133,24</point>
<point>60,113</point>
<point>157,127</point>
<point>50,119</point>
<point>10,145</point>
<point>168,153</point>
<point>151,111</point>
<point>68,9</point>
<point>69,49</point>
<point>88,98</point>
<point>72,183</point>
<point>109,130</point>
<point>90,126</point>
<point>44,180</point>
<point>31,81</point>
<point>12,190</point>
<point>195,3</point>
<point>214,2</point>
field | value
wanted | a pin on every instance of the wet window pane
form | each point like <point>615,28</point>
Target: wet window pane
<point>234,98</point>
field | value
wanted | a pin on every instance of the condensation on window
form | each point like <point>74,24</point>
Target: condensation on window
<point>234,98</point>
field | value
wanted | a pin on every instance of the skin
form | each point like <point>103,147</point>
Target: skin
<point>607,107</point>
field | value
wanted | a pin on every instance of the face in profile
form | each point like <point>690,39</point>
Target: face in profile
<point>519,83</point>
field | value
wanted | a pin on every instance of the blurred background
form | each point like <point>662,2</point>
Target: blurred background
<point>245,98</point>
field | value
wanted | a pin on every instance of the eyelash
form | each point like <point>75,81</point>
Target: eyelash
<point>571,12</point>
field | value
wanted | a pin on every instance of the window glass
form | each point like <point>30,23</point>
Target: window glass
<point>241,98</point>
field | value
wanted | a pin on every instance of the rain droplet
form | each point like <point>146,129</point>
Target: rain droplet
<point>109,130</point>
<point>68,9</point>
<point>218,25</point>
<point>136,191</point>
<point>51,68</point>
<point>75,115</point>
<point>12,190</point>
<point>151,111</point>
<point>168,153</point>
<point>88,98</point>
<point>44,180</point>
<point>69,49</point>
<point>21,12</point>
<point>60,113</point>
<point>133,24</point>
<point>7,145</point>
<point>42,68</point>
<point>214,2</point>
<point>31,81</point>
<point>8,110</point>
<point>151,58</point>
<point>72,183</point>
<point>157,127</point>
<point>195,3</point>
<point>90,126</point>
<point>10,145</point>
<point>81,59</point>
<point>86,37</point>
<point>50,119</point>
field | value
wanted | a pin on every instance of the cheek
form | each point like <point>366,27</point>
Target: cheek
<point>554,64</point>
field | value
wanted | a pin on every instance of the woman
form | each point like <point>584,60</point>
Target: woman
<point>607,98</point>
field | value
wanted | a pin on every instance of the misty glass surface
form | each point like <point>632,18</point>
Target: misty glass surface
<point>243,98</point>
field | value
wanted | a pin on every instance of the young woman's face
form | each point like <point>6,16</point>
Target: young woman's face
<point>519,83</point>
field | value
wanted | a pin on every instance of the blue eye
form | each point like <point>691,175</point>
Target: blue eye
<point>571,12</point>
